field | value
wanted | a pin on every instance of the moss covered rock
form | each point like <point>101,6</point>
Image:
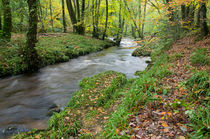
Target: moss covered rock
<point>142,51</point>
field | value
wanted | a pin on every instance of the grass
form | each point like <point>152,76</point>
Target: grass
<point>51,49</point>
<point>83,107</point>
<point>198,86</point>
<point>141,92</point>
<point>200,57</point>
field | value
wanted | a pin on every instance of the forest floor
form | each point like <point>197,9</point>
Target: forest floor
<point>168,117</point>
<point>170,99</point>
<point>52,48</point>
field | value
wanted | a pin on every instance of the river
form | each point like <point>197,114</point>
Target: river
<point>25,99</point>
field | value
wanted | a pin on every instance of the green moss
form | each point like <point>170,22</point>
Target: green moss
<point>51,50</point>
<point>141,51</point>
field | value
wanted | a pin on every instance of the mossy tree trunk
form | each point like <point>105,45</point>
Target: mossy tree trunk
<point>0,21</point>
<point>75,16</point>
<point>96,9</point>
<point>64,16</point>
<point>41,17</point>
<point>203,18</point>
<point>51,15</point>
<point>120,26</point>
<point>31,56</point>
<point>170,10</point>
<point>107,16</point>
<point>144,17</point>
<point>7,27</point>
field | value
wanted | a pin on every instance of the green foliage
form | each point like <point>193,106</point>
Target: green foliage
<point>199,84</point>
<point>200,56</point>
<point>200,122</point>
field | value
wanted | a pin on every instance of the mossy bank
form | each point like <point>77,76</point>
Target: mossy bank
<point>52,48</point>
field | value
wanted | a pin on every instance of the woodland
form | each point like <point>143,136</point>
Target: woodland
<point>169,99</point>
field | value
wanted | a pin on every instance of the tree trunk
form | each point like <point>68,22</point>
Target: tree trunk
<point>83,18</point>
<point>134,21</point>
<point>145,10</point>
<point>133,31</point>
<point>183,12</point>
<point>31,56</point>
<point>120,27</point>
<point>203,23</point>
<point>170,10</point>
<point>7,27</point>
<point>78,10</point>
<point>41,17</point>
<point>0,21</point>
<point>72,14</point>
<point>96,8</point>
<point>64,16</point>
<point>107,16</point>
<point>77,26</point>
<point>198,17</point>
<point>51,15</point>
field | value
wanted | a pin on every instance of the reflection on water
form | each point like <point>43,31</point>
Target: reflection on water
<point>25,99</point>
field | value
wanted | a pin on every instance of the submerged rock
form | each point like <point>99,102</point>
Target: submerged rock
<point>11,130</point>
<point>142,51</point>
<point>53,109</point>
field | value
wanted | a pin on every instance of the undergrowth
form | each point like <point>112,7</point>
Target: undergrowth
<point>200,56</point>
<point>199,85</point>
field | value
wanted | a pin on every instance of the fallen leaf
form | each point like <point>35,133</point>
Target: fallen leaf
<point>164,124</point>
<point>181,137</point>
<point>117,131</point>
<point>165,130</point>
<point>106,118</point>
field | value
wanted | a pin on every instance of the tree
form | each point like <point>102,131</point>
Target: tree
<point>41,16</point>
<point>145,10</point>
<point>120,26</point>
<point>0,21</point>
<point>96,14</point>
<point>51,15</point>
<point>7,27</point>
<point>107,16</point>
<point>203,23</point>
<point>75,20</point>
<point>31,55</point>
<point>0,16</point>
<point>64,16</point>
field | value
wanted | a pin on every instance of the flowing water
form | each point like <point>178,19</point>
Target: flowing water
<point>25,99</point>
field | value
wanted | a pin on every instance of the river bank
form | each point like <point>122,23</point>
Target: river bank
<point>26,99</point>
<point>166,100</point>
<point>52,48</point>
